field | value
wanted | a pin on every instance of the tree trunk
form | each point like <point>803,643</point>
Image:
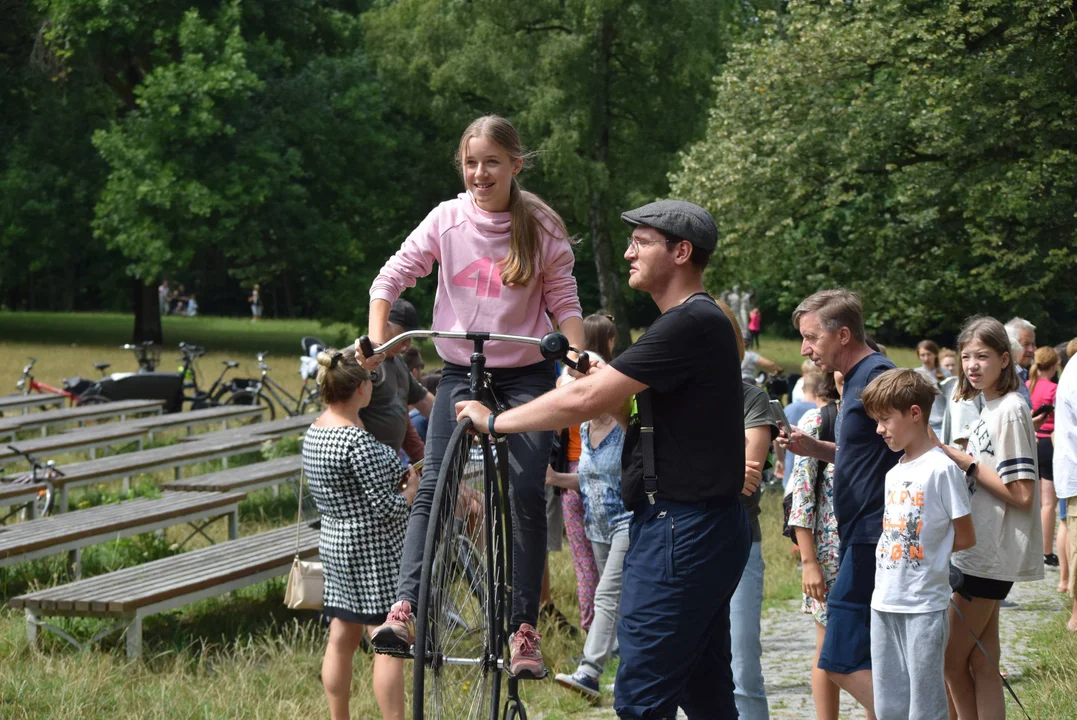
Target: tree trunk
<point>147,313</point>
<point>609,286</point>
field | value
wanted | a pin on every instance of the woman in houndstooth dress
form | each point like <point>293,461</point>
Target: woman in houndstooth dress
<point>355,481</point>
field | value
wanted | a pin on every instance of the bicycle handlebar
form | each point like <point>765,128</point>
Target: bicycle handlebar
<point>554,345</point>
<point>50,465</point>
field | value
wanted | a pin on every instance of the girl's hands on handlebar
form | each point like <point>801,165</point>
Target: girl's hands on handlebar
<point>371,362</point>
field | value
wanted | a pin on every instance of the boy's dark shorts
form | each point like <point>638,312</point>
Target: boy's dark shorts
<point>847,644</point>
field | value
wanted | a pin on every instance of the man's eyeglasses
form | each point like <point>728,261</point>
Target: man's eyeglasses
<point>634,244</point>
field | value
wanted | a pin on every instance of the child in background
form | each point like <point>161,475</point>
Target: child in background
<point>927,516</point>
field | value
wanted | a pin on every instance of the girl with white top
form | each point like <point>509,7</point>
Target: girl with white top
<point>1002,473</point>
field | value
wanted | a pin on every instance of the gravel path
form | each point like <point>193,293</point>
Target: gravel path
<point>789,643</point>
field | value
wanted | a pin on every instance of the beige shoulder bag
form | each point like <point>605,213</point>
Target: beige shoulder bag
<point>305,582</point>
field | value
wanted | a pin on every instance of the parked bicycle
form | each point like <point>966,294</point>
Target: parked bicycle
<point>42,504</point>
<point>217,394</point>
<point>463,595</point>
<point>266,390</point>
<point>77,391</point>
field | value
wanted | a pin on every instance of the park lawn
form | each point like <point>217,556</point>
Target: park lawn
<point>1046,688</point>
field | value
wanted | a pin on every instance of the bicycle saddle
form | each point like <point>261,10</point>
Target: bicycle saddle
<point>230,363</point>
<point>102,366</point>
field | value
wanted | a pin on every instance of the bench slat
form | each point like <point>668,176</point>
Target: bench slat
<point>236,478</point>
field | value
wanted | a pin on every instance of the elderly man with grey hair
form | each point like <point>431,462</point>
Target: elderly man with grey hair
<point>1022,336</point>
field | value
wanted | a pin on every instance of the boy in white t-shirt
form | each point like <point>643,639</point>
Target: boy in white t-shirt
<point>926,517</point>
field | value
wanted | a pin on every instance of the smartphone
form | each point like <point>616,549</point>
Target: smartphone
<point>778,412</point>
<point>1045,408</point>
<point>418,465</point>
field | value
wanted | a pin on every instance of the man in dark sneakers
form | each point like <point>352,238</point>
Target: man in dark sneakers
<point>683,471</point>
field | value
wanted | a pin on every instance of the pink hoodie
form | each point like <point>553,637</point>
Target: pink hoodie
<point>468,243</point>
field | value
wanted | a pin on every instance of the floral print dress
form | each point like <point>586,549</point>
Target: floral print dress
<point>816,513</point>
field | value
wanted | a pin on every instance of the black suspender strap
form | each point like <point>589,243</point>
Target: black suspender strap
<point>646,439</point>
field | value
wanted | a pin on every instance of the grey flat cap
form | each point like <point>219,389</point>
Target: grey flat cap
<point>678,218</point>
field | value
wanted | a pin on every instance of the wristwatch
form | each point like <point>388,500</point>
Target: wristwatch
<point>490,427</point>
<point>970,472</point>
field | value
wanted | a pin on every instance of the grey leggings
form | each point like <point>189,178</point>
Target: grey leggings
<point>529,454</point>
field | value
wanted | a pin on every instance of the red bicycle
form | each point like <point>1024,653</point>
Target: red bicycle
<point>28,384</point>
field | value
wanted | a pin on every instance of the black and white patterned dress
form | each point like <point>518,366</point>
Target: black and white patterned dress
<point>355,483</point>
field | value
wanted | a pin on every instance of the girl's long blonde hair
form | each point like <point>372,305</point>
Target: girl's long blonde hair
<point>528,210</point>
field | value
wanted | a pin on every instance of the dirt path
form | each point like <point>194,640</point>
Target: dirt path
<point>789,642</point>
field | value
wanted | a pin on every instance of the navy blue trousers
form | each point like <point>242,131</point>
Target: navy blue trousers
<point>683,563</point>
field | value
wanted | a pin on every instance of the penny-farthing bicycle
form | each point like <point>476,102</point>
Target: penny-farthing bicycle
<point>462,618</point>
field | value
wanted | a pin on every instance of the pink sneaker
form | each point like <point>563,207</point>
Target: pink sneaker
<point>526,654</point>
<point>397,634</point>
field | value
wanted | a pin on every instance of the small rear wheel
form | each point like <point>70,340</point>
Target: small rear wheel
<point>93,400</point>
<point>249,397</point>
<point>455,621</point>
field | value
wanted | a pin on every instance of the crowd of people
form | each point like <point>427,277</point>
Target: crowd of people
<point>917,496</point>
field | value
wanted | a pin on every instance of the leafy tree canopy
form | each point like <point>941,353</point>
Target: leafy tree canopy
<point>922,153</point>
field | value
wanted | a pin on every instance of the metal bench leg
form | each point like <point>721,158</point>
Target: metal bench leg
<point>233,525</point>
<point>93,453</point>
<point>179,474</point>
<point>276,491</point>
<point>140,444</point>
<point>31,628</point>
<point>63,499</point>
<point>126,484</point>
<point>224,463</point>
<point>74,562</point>
<point>134,638</point>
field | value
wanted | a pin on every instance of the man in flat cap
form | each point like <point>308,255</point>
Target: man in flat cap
<point>678,391</point>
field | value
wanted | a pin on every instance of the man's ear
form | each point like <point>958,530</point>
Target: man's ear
<point>845,335</point>
<point>916,413</point>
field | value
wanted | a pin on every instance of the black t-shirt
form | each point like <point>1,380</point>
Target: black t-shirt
<point>861,460</point>
<point>386,417</point>
<point>688,359</point>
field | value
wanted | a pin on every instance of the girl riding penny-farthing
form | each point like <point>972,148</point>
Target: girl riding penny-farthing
<point>504,259</point>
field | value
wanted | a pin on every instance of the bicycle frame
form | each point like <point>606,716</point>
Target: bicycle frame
<point>274,390</point>
<point>27,384</point>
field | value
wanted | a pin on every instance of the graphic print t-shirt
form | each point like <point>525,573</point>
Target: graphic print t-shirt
<point>1009,540</point>
<point>912,560</point>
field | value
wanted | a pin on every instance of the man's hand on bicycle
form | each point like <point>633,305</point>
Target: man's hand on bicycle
<point>479,414</point>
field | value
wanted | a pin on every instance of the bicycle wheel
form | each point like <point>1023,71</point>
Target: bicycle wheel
<point>249,397</point>
<point>461,579</point>
<point>92,400</point>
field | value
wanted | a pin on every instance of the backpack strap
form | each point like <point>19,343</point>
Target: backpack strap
<point>829,413</point>
<point>646,426</point>
<point>829,416</point>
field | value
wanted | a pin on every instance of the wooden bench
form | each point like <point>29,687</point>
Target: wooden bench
<point>70,532</point>
<point>268,430</point>
<point>128,596</point>
<point>195,418</point>
<point>83,413</point>
<point>247,478</point>
<point>23,403</point>
<point>85,439</point>
<point>128,464</point>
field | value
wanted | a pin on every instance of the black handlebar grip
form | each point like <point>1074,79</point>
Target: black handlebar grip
<point>366,347</point>
<point>583,363</point>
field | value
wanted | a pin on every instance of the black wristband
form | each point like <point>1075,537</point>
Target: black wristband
<point>490,427</point>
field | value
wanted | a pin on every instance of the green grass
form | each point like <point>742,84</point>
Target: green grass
<point>1047,687</point>
<point>279,337</point>
<point>786,352</point>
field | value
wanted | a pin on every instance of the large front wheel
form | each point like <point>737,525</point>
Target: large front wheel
<point>462,580</point>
